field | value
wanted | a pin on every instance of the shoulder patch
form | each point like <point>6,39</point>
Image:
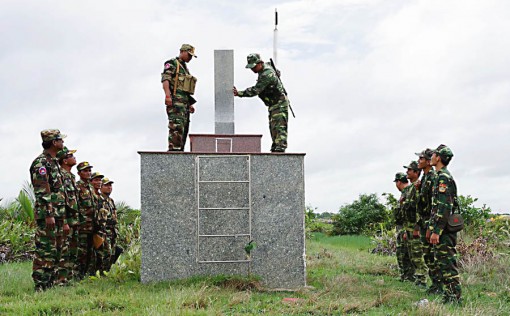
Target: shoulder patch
<point>442,187</point>
<point>167,66</point>
<point>42,171</point>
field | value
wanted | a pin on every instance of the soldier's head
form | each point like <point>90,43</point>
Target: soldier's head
<point>413,171</point>
<point>66,157</point>
<point>106,188</point>
<point>400,180</point>
<point>52,138</point>
<point>443,155</point>
<point>424,158</point>
<point>187,52</point>
<point>84,170</point>
<point>255,63</point>
<point>96,180</point>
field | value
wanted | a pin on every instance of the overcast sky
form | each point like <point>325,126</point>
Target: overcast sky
<point>371,82</point>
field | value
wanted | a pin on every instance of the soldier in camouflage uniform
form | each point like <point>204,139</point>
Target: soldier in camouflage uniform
<point>103,253</point>
<point>404,261</point>
<point>444,202</point>
<point>179,85</point>
<point>412,226</point>
<point>50,242</point>
<point>270,90</point>
<point>111,222</point>
<point>87,205</point>
<point>67,160</point>
<point>424,207</point>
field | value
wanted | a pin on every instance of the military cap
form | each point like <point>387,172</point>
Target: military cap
<point>106,180</point>
<point>64,152</point>
<point>188,48</point>
<point>96,175</point>
<point>413,165</point>
<point>253,60</point>
<point>426,153</point>
<point>400,176</point>
<point>444,152</point>
<point>83,165</point>
<point>48,135</point>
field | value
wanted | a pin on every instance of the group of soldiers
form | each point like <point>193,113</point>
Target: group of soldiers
<point>425,239</point>
<point>76,220</point>
<point>179,86</point>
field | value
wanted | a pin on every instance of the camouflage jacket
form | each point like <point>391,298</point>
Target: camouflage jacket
<point>444,196</point>
<point>111,222</point>
<point>102,213</point>
<point>424,204</point>
<point>48,187</point>
<point>169,70</point>
<point>399,211</point>
<point>269,88</point>
<point>87,206</point>
<point>411,200</point>
<point>71,197</point>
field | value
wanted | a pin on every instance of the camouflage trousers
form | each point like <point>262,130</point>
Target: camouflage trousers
<point>71,256</point>
<point>428,257</point>
<point>103,255</point>
<point>178,125</point>
<point>48,267</point>
<point>416,255</point>
<point>403,259</point>
<point>85,254</point>
<point>278,121</point>
<point>445,255</point>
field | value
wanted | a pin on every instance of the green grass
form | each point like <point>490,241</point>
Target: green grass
<point>344,277</point>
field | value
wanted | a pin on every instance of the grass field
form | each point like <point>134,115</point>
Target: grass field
<point>343,278</point>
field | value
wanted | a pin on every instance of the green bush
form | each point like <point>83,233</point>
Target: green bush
<point>475,218</point>
<point>314,223</point>
<point>361,217</point>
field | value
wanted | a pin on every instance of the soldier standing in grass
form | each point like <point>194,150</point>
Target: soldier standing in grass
<point>67,160</point>
<point>270,90</point>
<point>102,250</point>
<point>50,236</point>
<point>403,259</point>
<point>179,85</point>
<point>412,226</point>
<point>111,222</point>
<point>87,214</point>
<point>424,206</point>
<point>444,202</point>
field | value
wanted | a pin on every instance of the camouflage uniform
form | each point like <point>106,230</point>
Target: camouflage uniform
<point>444,200</point>
<point>403,257</point>
<point>87,212</point>
<point>50,245</point>
<point>410,225</point>
<point>103,252</point>
<point>71,257</point>
<point>424,207</point>
<point>179,112</point>
<point>111,226</point>
<point>270,90</point>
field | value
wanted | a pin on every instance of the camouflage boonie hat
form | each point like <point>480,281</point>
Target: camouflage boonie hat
<point>96,175</point>
<point>426,153</point>
<point>106,180</point>
<point>51,134</point>
<point>83,165</point>
<point>188,48</point>
<point>400,176</point>
<point>413,165</point>
<point>444,152</point>
<point>64,152</point>
<point>253,60</point>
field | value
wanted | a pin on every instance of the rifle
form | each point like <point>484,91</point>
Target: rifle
<point>279,79</point>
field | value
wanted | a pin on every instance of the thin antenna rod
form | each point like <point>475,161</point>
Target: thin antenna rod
<point>275,36</point>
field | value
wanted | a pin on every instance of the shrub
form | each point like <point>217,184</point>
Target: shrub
<point>315,224</point>
<point>361,217</point>
<point>474,217</point>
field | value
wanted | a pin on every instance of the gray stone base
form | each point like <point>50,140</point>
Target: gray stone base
<point>199,211</point>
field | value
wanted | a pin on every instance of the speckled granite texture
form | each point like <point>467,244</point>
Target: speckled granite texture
<point>200,209</point>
